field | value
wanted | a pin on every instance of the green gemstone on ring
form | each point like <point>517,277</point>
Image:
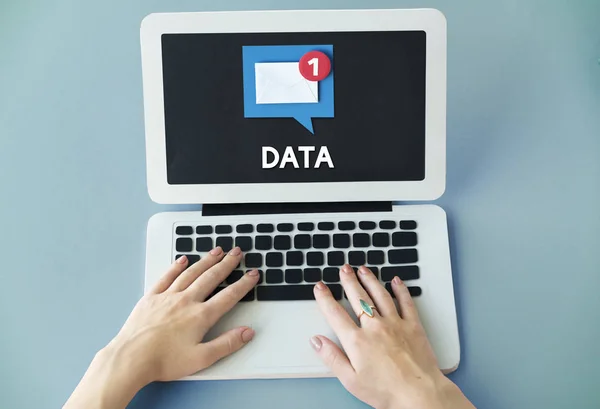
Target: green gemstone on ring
<point>366,308</point>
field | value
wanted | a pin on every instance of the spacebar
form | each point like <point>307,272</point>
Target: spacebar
<point>292,292</point>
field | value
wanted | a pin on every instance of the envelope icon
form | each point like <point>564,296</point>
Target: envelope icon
<point>282,83</point>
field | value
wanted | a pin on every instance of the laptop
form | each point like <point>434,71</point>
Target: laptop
<point>297,131</point>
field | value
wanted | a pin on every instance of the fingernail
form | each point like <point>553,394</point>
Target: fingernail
<point>320,285</point>
<point>253,273</point>
<point>363,270</point>
<point>247,335</point>
<point>347,269</point>
<point>181,260</point>
<point>235,252</point>
<point>216,251</point>
<point>316,343</point>
<point>397,281</point>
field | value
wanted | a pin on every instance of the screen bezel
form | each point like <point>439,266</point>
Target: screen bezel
<point>431,21</point>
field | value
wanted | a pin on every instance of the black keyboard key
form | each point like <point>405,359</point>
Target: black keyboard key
<point>254,260</point>
<point>331,275</point>
<point>260,275</point>
<point>192,258</point>
<point>408,225</point>
<point>404,272</point>
<point>283,243</point>
<point>302,241</point>
<point>341,241</point>
<point>346,225</point>
<point>204,229</point>
<point>381,240</point>
<point>361,240</point>
<point>285,227</point>
<point>294,258</point>
<point>375,257</point>
<point>184,244</point>
<point>321,241</point>
<point>263,242</point>
<point>204,244</point>
<point>244,243</point>
<point>234,276</point>
<point>356,258</point>
<point>387,224</point>
<point>274,260</point>
<point>404,239</point>
<point>405,256</point>
<point>414,291</point>
<point>250,296</point>
<point>184,230</point>
<point>244,228</point>
<point>306,226</point>
<point>274,276</point>
<point>293,292</point>
<point>225,242</point>
<point>326,226</point>
<point>336,258</point>
<point>374,270</point>
<point>314,258</point>
<point>312,275</point>
<point>293,276</point>
<point>223,229</point>
<point>367,225</point>
<point>264,228</point>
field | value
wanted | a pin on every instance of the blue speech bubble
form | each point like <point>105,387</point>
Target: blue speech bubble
<point>303,113</point>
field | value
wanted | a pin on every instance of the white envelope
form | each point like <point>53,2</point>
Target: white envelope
<point>282,83</point>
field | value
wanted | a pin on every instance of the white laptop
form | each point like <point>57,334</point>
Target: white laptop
<point>296,130</point>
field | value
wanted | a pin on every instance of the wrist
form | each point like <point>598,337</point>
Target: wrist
<point>437,392</point>
<point>452,397</point>
<point>121,360</point>
<point>111,381</point>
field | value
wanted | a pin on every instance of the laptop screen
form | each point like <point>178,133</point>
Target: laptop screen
<point>294,107</point>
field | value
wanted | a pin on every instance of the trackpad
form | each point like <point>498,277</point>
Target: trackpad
<point>283,335</point>
<point>283,331</point>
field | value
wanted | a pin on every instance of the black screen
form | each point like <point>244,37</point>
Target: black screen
<point>377,132</point>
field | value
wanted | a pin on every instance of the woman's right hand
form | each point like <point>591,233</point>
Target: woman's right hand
<point>388,361</point>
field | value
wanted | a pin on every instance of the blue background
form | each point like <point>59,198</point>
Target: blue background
<point>522,197</point>
<point>290,53</point>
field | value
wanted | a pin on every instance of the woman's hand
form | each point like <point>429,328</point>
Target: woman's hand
<point>388,361</point>
<point>162,338</point>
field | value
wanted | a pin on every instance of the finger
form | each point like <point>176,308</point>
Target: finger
<point>337,317</point>
<point>204,285</point>
<point>172,273</point>
<point>383,300</point>
<point>226,299</point>
<point>405,301</point>
<point>355,291</point>
<point>195,270</point>
<point>333,357</point>
<point>224,345</point>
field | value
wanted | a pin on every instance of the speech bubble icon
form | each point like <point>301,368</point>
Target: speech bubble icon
<point>306,122</point>
<point>279,107</point>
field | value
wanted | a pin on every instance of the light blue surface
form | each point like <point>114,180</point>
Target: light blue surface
<point>522,197</point>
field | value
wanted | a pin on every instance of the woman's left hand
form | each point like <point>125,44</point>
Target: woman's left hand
<point>162,338</point>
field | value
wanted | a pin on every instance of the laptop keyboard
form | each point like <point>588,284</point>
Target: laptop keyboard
<point>292,257</point>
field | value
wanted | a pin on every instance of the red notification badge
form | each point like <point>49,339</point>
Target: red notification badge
<point>315,66</point>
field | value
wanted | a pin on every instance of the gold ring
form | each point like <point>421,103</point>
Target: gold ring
<point>368,310</point>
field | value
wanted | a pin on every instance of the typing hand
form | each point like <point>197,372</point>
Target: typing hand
<point>162,338</point>
<point>388,361</point>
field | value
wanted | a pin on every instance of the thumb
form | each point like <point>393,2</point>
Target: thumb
<point>333,357</point>
<point>225,344</point>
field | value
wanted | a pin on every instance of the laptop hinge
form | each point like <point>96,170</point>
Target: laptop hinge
<point>230,209</point>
